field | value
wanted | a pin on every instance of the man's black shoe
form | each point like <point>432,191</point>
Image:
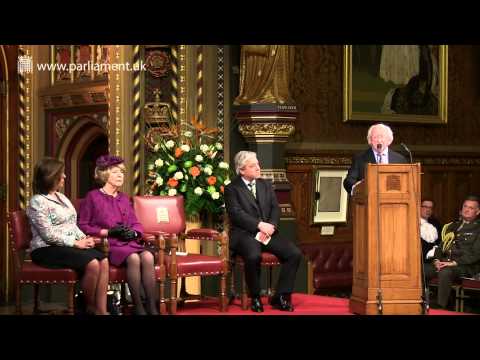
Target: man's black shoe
<point>256,304</point>
<point>282,303</point>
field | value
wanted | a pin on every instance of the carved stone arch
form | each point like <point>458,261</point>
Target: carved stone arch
<point>81,144</point>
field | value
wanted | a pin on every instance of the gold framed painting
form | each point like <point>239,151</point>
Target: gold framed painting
<point>395,83</point>
<point>331,199</point>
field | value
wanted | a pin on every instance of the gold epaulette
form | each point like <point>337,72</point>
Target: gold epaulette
<point>447,238</point>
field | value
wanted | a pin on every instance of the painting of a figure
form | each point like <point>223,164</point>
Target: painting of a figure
<point>395,83</point>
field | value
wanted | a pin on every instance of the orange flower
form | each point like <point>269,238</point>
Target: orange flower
<point>172,182</point>
<point>178,152</point>
<point>211,180</point>
<point>222,189</point>
<point>194,171</point>
<point>202,129</point>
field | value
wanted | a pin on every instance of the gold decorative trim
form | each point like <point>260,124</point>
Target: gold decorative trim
<point>114,118</point>
<point>347,161</point>
<point>276,175</point>
<point>182,85</point>
<point>221,95</point>
<point>317,160</point>
<point>266,118</point>
<point>25,133</point>
<point>266,130</point>
<point>175,84</point>
<point>450,161</point>
<point>200,82</point>
<point>136,120</point>
<point>87,97</point>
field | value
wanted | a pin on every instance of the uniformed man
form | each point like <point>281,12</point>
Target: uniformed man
<point>459,252</point>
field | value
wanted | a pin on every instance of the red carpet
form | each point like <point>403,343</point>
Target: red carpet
<point>304,305</point>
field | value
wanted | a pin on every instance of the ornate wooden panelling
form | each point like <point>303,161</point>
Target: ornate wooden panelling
<point>449,153</point>
<point>317,89</point>
<point>445,179</point>
<point>301,174</point>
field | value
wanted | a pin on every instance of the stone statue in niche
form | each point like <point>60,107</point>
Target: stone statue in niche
<point>265,72</point>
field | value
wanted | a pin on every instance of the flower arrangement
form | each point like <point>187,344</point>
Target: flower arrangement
<point>189,165</point>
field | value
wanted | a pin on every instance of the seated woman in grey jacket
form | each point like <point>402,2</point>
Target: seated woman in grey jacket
<point>57,242</point>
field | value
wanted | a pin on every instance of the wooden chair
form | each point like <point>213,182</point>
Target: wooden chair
<point>467,284</point>
<point>164,217</point>
<point>456,287</point>
<point>26,272</point>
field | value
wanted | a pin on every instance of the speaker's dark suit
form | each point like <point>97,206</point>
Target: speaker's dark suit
<point>356,171</point>
<point>245,213</point>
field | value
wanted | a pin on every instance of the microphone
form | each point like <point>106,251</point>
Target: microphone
<point>379,147</point>
<point>407,150</point>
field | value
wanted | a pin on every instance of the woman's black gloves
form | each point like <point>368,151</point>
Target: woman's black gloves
<point>122,232</point>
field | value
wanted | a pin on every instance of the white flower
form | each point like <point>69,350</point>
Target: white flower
<point>198,191</point>
<point>169,144</point>
<point>223,165</point>
<point>199,158</point>
<point>159,180</point>
<point>204,148</point>
<point>208,170</point>
<point>186,177</point>
<point>172,192</point>
<point>215,195</point>
<point>178,175</point>
<point>156,147</point>
<point>187,134</point>
<point>159,163</point>
<point>185,148</point>
<point>150,166</point>
<point>219,146</point>
<point>226,182</point>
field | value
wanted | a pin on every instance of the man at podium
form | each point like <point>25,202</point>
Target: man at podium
<point>379,137</point>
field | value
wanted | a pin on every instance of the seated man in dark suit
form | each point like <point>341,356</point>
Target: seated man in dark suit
<point>379,138</point>
<point>428,223</point>
<point>254,216</point>
<point>459,252</point>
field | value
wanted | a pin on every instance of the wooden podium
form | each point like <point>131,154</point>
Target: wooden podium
<point>386,241</point>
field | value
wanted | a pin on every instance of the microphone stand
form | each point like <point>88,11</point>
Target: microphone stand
<point>425,292</point>
<point>408,151</point>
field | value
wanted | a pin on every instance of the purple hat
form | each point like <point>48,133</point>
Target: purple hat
<point>105,161</point>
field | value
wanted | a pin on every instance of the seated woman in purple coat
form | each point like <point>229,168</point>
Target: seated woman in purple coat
<point>109,212</point>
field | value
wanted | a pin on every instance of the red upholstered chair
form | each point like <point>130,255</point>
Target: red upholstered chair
<point>269,261</point>
<point>329,265</point>
<point>165,215</point>
<point>26,272</point>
